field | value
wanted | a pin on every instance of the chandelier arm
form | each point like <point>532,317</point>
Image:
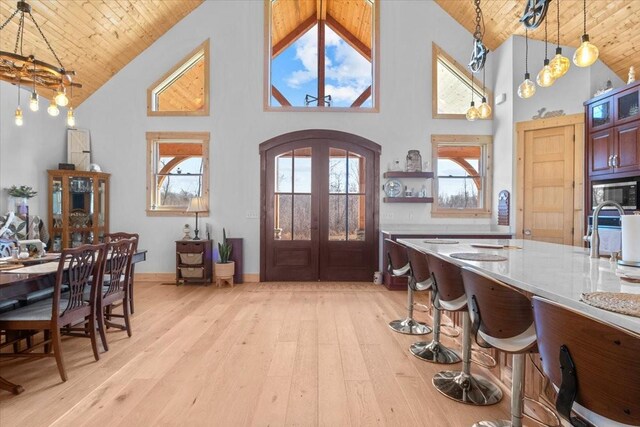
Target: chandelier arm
<point>46,41</point>
<point>19,34</point>
<point>9,20</point>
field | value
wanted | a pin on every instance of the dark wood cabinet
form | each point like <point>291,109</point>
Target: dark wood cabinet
<point>600,114</point>
<point>194,261</point>
<point>627,148</point>
<point>601,148</point>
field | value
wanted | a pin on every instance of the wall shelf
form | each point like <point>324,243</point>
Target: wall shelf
<point>400,174</point>
<point>408,199</point>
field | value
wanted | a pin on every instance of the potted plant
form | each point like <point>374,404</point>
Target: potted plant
<point>225,267</point>
<point>23,193</point>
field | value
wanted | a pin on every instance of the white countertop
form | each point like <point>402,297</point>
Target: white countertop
<point>558,272</point>
<point>443,229</point>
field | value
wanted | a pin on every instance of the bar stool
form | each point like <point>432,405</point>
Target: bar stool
<point>502,318</point>
<point>398,265</point>
<point>459,385</point>
<point>431,351</point>
<point>593,365</point>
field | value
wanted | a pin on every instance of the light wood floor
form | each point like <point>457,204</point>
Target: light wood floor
<point>263,355</point>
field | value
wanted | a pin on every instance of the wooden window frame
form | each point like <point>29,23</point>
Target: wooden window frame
<point>155,137</point>
<point>438,52</point>
<point>486,166</point>
<point>375,63</point>
<point>204,46</point>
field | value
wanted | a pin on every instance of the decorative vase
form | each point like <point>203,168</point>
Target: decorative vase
<point>414,161</point>
<point>23,207</point>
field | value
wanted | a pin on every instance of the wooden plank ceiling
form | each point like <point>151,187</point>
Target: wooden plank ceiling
<point>613,26</point>
<point>95,38</point>
<point>352,19</point>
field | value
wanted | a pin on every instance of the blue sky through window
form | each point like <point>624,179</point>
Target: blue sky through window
<point>295,71</point>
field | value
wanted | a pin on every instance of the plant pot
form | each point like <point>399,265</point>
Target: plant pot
<point>226,269</point>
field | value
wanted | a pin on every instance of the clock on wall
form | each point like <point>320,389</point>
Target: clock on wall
<point>392,188</point>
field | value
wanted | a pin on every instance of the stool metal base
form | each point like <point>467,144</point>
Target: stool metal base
<point>434,352</point>
<point>465,388</point>
<point>410,327</point>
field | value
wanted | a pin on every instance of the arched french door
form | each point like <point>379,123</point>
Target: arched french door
<point>319,201</point>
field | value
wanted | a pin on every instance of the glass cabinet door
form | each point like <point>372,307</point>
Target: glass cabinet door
<point>56,213</point>
<point>601,114</point>
<point>627,106</point>
<point>81,210</point>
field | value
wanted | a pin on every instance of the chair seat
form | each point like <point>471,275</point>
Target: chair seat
<point>514,344</point>
<point>38,311</point>
<point>41,294</point>
<point>454,305</point>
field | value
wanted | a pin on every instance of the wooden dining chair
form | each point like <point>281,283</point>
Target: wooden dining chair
<point>594,366</point>
<point>80,269</point>
<point>114,237</point>
<point>115,289</point>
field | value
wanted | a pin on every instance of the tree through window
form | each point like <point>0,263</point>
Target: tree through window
<point>321,53</point>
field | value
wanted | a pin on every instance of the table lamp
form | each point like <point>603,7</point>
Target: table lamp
<point>197,205</point>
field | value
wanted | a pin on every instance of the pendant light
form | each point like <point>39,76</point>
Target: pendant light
<point>484,110</point>
<point>587,53</point>
<point>472,112</point>
<point>34,104</point>
<point>545,76</point>
<point>53,109</point>
<point>71,119</point>
<point>61,97</point>
<point>559,64</point>
<point>526,89</point>
<point>19,117</point>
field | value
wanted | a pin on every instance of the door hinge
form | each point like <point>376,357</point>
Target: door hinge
<point>573,231</point>
<point>573,184</point>
<point>574,137</point>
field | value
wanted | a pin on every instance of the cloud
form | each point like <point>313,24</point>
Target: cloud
<point>348,73</point>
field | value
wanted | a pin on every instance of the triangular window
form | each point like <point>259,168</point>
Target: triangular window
<point>452,87</point>
<point>183,90</point>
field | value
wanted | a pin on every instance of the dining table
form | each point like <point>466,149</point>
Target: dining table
<point>31,276</point>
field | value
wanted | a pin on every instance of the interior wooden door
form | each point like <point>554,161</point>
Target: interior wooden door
<point>319,207</point>
<point>548,185</point>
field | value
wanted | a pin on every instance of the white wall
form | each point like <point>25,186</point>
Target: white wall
<point>116,116</point>
<point>27,152</point>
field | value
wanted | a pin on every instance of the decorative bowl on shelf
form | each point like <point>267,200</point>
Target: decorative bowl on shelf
<point>78,219</point>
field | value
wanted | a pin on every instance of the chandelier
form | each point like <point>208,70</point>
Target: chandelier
<point>22,70</point>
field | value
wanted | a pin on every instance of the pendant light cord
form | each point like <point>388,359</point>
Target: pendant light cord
<point>472,87</point>
<point>558,19</point>
<point>546,54</point>
<point>526,51</point>
<point>584,11</point>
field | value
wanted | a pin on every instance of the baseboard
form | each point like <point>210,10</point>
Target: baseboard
<point>171,277</point>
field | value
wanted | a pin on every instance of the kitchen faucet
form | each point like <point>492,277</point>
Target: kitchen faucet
<point>595,237</point>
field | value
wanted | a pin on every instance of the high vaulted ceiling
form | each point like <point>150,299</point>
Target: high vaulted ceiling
<point>94,38</point>
<point>613,26</point>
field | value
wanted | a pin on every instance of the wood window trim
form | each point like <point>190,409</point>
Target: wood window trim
<point>375,58</point>
<point>152,139</point>
<point>437,51</point>
<point>486,141</point>
<point>204,46</point>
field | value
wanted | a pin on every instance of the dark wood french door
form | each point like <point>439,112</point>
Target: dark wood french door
<point>319,207</point>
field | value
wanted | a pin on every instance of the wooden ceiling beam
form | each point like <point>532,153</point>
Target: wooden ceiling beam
<point>321,9</point>
<point>178,149</point>
<point>347,36</point>
<point>280,97</point>
<point>363,97</point>
<point>283,44</point>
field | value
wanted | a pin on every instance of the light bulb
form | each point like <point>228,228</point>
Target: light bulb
<point>586,54</point>
<point>484,110</point>
<point>545,76</point>
<point>19,119</point>
<point>472,112</point>
<point>559,64</point>
<point>526,89</point>
<point>71,119</point>
<point>61,97</point>
<point>34,105</point>
<point>53,108</point>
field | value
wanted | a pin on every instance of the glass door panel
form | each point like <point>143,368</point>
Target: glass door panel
<point>80,203</point>
<point>292,196</point>
<point>347,188</point>
<point>101,207</point>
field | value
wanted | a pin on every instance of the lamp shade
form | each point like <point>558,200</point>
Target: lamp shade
<point>198,204</point>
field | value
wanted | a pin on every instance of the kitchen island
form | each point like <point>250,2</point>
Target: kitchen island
<point>560,273</point>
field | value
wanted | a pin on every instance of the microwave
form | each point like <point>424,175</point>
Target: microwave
<point>624,193</point>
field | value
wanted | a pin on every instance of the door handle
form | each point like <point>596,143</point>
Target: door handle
<point>610,162</point>
<point>616,161</point>
<point>527,232</point>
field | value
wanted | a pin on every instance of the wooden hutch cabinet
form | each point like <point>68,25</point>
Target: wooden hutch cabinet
<point>78,208</point>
